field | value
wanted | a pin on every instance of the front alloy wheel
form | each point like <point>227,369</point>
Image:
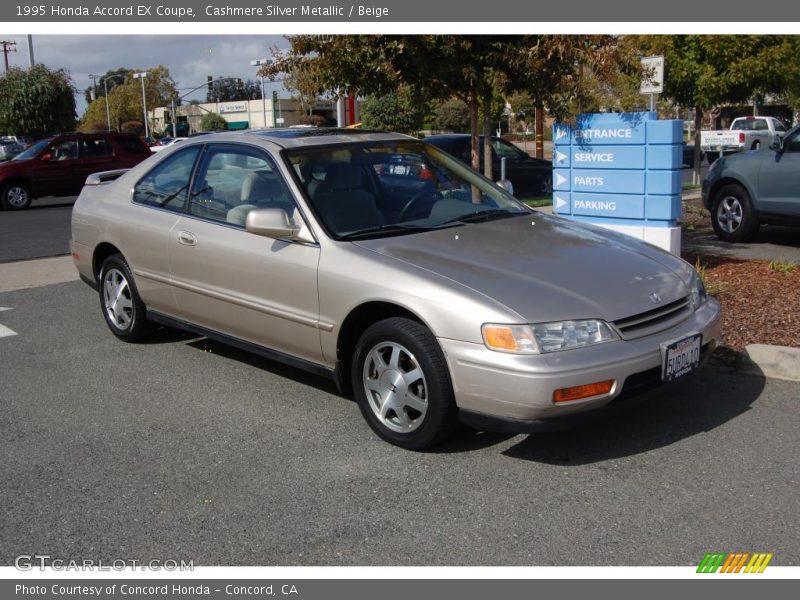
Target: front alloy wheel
<point>402,384</point>
<point>395,387</point>
<point>729,214</point>
<point>732,214</point>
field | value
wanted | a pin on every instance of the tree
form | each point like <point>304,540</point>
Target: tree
<point>452,115</point>
<point>704,71</point>
<point>213,122</point>
<point>125,99</point>
<point>112,78</point>
<point>399,111</point>
<point>523,107</point>
<point>228,89</point>
<point>36,102</point>
<point>471,68</point>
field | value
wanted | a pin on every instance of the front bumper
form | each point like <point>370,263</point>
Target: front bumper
<point>516,391</point>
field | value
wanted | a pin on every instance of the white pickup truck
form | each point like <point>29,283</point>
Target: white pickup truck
<point>746,133</point>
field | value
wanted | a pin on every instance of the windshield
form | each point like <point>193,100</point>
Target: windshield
<point>32,151</point>
<point>394,188</point>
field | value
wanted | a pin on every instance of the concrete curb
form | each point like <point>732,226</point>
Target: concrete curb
<point>777,362</point>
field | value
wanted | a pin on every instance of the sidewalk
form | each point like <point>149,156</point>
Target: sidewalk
<point>36,273</point>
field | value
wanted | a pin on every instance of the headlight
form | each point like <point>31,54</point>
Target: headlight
<point>546,337</point>
<point>697,291</point>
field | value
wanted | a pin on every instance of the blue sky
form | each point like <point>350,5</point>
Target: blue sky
<point>190,58</point>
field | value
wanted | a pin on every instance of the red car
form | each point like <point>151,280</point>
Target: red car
<point>59,166</point>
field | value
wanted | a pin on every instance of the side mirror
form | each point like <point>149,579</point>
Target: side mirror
<point>776,144</point>
<point>46,156</point>
<point>271,222</point>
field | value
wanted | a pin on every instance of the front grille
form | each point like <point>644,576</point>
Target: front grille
<point>654,320</point>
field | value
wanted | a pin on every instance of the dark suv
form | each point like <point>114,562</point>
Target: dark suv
<point>58,166</point>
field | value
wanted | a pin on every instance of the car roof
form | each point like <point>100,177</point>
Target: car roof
<point>308,137</point>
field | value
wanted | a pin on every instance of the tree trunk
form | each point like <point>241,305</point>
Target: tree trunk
<point>539,131</point>
<point>698,126</point>
<point>487,133</point>
<point>474,141</point>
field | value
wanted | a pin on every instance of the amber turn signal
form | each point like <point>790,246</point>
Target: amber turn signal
<point>583,391</point>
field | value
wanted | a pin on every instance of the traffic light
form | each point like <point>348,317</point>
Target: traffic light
<point>274,97</point>
<point>210,83</point>
<point>239,86</point>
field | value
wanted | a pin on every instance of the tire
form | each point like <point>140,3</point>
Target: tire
<point>546,185</point>
<point>732,214</point>
<point>756,145</point>
<point>402,385</point>
<point>123,310</point>
<point>15,196</point>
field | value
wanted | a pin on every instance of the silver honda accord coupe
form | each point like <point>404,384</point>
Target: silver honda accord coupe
<point>424,289</point>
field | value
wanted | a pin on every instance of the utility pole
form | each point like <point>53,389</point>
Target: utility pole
<point>8,47</point>
<point>30,50</point>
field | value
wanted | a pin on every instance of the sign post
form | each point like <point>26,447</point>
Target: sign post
<point>653,78</point>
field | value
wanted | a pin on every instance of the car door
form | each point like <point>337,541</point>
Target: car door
<point>779,179</point>
<point>158,200</point>
<point>95,154</point>
<point>250,287</point>
<point>55,171</point>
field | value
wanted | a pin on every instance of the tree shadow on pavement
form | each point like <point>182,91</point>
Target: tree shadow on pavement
<point>662,417</point>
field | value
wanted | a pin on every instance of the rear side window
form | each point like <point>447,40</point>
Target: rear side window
<point>93,147</point>
<point>167,185</point>
<point>131,145</point>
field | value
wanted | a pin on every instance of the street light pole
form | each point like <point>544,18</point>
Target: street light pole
<point>141,76</point>
<point>259,62</point>
<point>108,109</point>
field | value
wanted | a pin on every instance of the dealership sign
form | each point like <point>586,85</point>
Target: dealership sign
<point>622,171</point>
<point>232,107</point>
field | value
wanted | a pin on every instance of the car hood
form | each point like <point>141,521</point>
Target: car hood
<point>546,268</point>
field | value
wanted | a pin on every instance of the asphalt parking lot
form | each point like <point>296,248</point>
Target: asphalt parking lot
<point>186,449</point>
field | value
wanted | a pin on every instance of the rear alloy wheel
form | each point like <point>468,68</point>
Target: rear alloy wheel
<point>732,215</point>
<point>15,196</point>
<point>123,310</point>
<point>402,384</point>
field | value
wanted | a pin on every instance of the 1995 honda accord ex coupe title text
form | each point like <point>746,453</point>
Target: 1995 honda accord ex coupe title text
<point>394,269</point>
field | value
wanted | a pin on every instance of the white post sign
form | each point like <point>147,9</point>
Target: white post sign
<point>653,78</point>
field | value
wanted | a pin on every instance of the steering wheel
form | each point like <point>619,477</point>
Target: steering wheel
<point>415,200</point>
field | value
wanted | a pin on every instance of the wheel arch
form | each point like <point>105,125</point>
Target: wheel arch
<point>356,323</point>
<point>727,180</point>
<point>101,253</point>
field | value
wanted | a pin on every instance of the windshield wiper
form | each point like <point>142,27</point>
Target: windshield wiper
<point>386,229</point>
<point>485,215</point>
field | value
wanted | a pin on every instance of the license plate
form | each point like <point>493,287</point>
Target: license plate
<point>680,357</point>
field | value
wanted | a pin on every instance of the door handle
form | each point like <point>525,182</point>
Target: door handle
<point>186,238</point>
